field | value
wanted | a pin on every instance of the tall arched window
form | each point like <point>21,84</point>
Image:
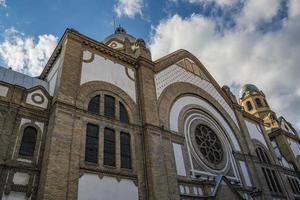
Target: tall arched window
<point>109,106</point>
<point>249,105</point>
<point>94,105</point>
<point>109,147</point>
<point>28,141</point>
<point>125,150</point>
<point>91,143</point>
<point>258,102</point>
<point>269,174</point>
<point>262,155</point>
<point>123,113</point>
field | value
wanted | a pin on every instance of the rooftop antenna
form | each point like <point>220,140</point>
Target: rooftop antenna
<point>114,18</point>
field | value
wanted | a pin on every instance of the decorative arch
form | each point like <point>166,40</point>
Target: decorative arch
<point>35,157</point>
<point>266,152</point>
<point>180,54</point>
<point>88,90</point>
<point>176,90</point>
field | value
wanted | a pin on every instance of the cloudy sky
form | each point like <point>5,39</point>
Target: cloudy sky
<point>239,41</point>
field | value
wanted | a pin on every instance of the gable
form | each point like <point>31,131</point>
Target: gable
<point>37,98</point>
<point>186,68</point>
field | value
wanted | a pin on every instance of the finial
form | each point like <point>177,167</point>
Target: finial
<point>120,30</point>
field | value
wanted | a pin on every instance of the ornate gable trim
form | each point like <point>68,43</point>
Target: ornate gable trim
<point>86,41</point>
<point>181,54</point>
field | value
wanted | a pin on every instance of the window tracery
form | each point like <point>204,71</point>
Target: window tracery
<point>209,144</point>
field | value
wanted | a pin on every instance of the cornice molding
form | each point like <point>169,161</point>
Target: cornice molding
<point>89,42</point>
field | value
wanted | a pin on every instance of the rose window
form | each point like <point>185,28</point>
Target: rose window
<point>209,144</point>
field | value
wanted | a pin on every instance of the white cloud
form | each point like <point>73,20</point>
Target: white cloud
<point>255,11</point>
<point>25,54</point>
<point>218,2</point>
<point>3,3</point>
<point>294,6</point>
<point>129,8</point>
<point>242,55</point>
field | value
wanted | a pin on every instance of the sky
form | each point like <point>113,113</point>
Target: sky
<point>238,41</point>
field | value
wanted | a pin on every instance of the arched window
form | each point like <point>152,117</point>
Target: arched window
<point>249,105</point>
<point>28,141</point>
<point>269,174</point>
<point>94,105</point>
<point>91,143</point>
<point>109,106</point>
<point>125,150</point>
<point>123,113</point>
<point>262,155</point>
<point>258,102</point>
<point>109,147</point>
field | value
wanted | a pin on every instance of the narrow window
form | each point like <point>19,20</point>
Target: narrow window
<point>292,185</point>
<point>125,151</point>
<point>258,102</point>
<point>276,181</point>
<point>28,141</point>
<point>94,105</point>
<point>109,106</point>
<point>123,114</point>
<point>249,105</point>
<point>109,147</point>
<point>272,180</point>
<point>91,144</point>
<point>267,179</point>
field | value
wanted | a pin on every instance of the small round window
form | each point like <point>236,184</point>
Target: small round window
<point>209,144</point>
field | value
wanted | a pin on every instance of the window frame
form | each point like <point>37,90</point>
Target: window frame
<point>22,149</point>
<point>123,113</point>
<point>123,154</point>
<point>258,102</point>
<point>109,106</point>
<point>91,105</point>
<point>249,105</point>
<point>96,138</point>
<point>109,148</point>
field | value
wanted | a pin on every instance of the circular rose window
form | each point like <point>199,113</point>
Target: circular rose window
<point>209,144</point>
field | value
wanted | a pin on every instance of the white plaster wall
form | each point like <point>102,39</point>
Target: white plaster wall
<point>15,196</point>
<point>176,73</point>
<point>24,121</point>
<point>101,69</point>
<point>180,168</point>
<point>245,173</point>
<point>3,91</point>
<point>31,102</point>
<point>21,178</point>
<point>52,75</point>
<point>40,125</point>
<point>255,132</point>
<point>295,147</point>
<point>91,187</point>
<point>190,100</point>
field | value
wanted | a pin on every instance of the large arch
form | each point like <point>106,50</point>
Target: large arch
<point>176,91</point>
<point>89,89</point>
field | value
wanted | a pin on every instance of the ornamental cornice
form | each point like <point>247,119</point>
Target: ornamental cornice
<point>88,42</point>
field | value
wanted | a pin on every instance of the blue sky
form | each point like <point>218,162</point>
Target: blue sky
<point>239,41</point>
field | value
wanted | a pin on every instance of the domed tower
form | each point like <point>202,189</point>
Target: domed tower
<point>122,41</point>
<point>254,102</point>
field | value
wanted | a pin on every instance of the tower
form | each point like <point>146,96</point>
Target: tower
<point>254,102</point>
